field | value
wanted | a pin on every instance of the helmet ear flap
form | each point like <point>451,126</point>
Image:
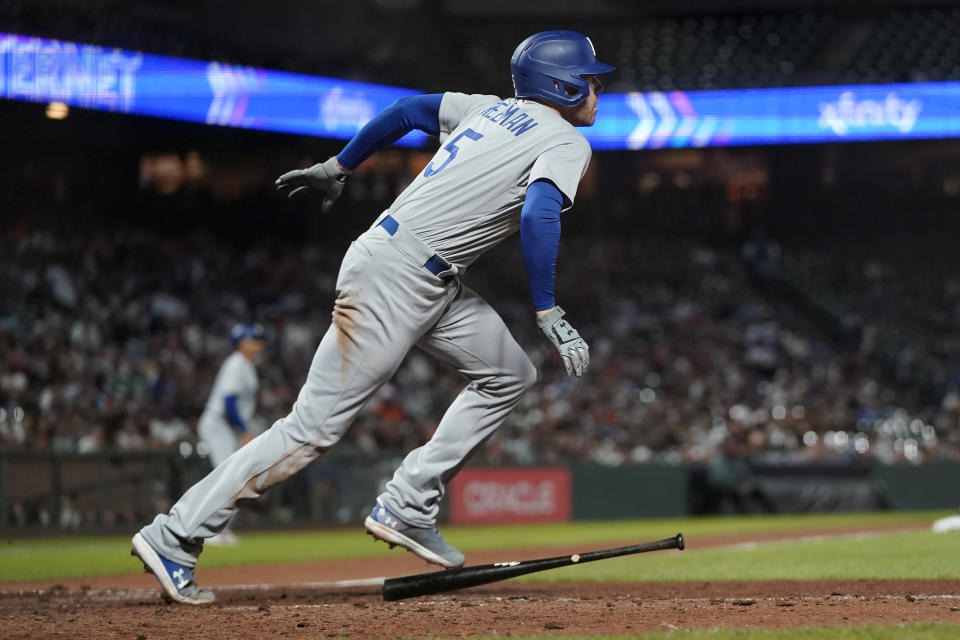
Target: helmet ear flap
<point>565,91</point>
<point>569,91</point>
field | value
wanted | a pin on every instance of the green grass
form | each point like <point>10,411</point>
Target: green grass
<point>918,555</point>
<point>913,631</point>
<point>893,556</point>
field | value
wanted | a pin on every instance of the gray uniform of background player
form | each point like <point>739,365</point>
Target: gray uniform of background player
<point>237,377</point>
<point>387,302</point>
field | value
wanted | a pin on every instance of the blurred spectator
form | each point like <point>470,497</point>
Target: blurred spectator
<point>120,346</point>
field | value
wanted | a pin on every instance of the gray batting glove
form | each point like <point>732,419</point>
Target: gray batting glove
<point>325,177</point>
<point>573,349</point>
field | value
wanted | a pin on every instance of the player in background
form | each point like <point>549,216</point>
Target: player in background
<point>504,165</point>
<point>227,420</point>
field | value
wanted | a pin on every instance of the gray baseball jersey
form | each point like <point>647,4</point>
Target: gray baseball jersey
<point>237,377</point>
<point>466,201</point>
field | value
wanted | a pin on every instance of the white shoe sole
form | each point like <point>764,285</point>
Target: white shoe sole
<point>392,536</point>
<point>151,560</point>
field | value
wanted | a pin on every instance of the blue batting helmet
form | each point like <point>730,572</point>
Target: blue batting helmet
<point>551,65</point>
<point>243,331</point>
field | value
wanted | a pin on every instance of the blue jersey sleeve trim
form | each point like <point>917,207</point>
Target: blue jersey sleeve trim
<point>391,124</point>
<point>233,413</point>
<point>540,240</point>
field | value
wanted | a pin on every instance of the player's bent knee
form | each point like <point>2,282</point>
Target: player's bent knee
<point>512,382</point>
<point>528,376</point>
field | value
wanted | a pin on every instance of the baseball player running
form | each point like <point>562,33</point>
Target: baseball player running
<point>227,420</point>
<point>503,165</point>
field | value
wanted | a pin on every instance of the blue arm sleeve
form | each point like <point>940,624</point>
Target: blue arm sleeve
<point>540,240</point>
<point>233,413</point>
<point>391,124</point>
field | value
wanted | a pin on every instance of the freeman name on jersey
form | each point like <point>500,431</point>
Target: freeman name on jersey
<point>518,123</point>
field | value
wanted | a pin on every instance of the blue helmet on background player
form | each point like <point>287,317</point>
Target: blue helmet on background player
<point>243,331</point>
<point>551,64</point>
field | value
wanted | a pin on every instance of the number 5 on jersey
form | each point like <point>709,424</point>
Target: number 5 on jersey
<point>451,148</point>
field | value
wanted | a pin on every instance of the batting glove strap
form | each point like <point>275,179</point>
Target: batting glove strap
<point>325,177</point>
<point>573,349</point>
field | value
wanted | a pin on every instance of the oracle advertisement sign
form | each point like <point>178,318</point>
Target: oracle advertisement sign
<point>510,495</point>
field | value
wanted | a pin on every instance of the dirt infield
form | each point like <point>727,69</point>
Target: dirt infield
<point>285,601</point>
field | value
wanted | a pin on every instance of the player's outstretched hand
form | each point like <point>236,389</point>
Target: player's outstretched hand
<point>573,349</point>
<point>325,177</point>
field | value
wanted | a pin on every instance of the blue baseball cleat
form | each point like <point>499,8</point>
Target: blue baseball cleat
<point>426,542</point>
<point>175,579</point>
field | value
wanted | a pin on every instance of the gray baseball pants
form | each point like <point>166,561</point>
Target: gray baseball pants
<point>387,302</point>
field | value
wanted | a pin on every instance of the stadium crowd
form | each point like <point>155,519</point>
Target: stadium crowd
<point>110,339</point>
<point>902,296</point>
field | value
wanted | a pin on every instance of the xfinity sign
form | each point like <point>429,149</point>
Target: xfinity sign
<point>216,93</point>
<point>850,113</point>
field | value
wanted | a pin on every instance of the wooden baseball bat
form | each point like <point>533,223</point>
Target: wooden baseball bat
<point>422,584</point>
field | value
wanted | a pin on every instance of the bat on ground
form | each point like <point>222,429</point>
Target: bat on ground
<point>422,584</point>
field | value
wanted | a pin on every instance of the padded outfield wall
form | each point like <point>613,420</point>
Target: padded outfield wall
<point>47,492</point>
